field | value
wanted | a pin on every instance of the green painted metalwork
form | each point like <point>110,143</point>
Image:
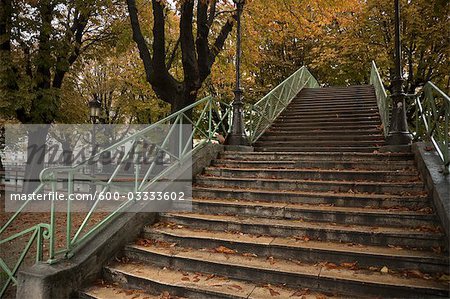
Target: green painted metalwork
<point>205,127</point>
<point>262,114</point>
<point>76,236</point>
<point>383,100</point>
<point>433,108</point>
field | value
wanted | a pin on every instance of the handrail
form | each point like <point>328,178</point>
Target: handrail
<point>75,237</point>
<point>262,114</point>
<point>383,101</point>
<point>433,107</point>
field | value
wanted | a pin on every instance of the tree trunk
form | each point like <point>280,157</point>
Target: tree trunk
<point>36,150</point>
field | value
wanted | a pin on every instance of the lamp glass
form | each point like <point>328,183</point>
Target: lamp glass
<point>94,108</point>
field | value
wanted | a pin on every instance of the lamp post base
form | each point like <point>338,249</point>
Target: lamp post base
<point>236,140</point>
<point>240,148</point>
<point>399,138</point>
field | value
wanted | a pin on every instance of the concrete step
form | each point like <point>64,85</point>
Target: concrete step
<point>310,251</point>
<point>368,235</point>
<point>153,276</point>
<point>379,187</point>
<point>319,143</point>
<point>336,107</point>
<point>111,291</point>
<point>354,111</point>
<point>296,116</point>
<point>291,164</point>
<point>330,132</point>
<point>318,156</point>
<point>395,217</point>
<point>296,119</point>
<point>319,123</point>
<point>323,137</point>
<point>290,273</point>
<point>312,129</point>
<point>331,102</point>
<point>316,174</point>
<point>348,149</point>
<point>324,198</point>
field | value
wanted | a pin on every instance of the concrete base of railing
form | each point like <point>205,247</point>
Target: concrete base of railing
<point>239,148</point>
<point>438,184</point>
<point>63,279</point>
<point>395,149</point>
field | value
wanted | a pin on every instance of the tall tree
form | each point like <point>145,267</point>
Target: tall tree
<point>39,43</point>
<point>197,54</point>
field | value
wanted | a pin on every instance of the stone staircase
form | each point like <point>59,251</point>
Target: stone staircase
<point>316,211</point>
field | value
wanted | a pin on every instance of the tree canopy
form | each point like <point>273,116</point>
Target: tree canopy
<point>145,58</point>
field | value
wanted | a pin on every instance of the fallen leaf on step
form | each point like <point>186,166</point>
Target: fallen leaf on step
<point>437,249</point>
<point>414,273</point>
<point>395,247</point>
<point>300,293</point>
<point>428,148</point>
<point>185,279</point>
<point>351,266</point>
<point>165,295</point>
<point>247,254</point>
<point>223,249</point>
<point>384,270</point>
<point>329,265</point>
<point>272,291</point>
<point>321,297</point>
<point>271,260</point>
<point>237,287</point>
<point>444,277</point>
<point>211,276</point>
<point>304,238</point>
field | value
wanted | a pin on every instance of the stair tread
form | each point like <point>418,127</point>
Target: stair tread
<point>318,208</point>
<point>293,162</point>
<point>202,282</point>
<point>343,183</point>
<point>108,291</point>
<point>393,172</point>
<point>298,243</point>
<point>408,155</point>
<point>291,224</point>
<point>315,193</point>
<point>318,271</point>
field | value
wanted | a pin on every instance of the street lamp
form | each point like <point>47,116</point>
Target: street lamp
<point>398,130</point>
<point>237,135</point>
<point>95,107</point>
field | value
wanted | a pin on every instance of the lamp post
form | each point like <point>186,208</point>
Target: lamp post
<point>398,130</point>
<point>237,135</point>
<point>95,107</point>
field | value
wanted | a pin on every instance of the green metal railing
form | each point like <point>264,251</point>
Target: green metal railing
<point>262,114</point>
<point>210,121</point>
<point>212,118</point>
<point>432,105</point>
<point>383,100</point>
